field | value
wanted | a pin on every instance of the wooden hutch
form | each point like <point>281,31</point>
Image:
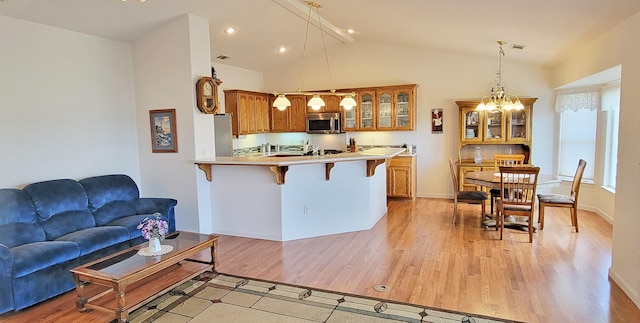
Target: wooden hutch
<point>492,132</point>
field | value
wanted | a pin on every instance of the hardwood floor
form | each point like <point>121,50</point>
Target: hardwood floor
<point>424,259</point>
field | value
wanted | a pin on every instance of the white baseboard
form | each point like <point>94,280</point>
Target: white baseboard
<point>625,286</point>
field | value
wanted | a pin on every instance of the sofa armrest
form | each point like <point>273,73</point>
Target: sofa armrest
<point>6,279</point>
<point>165,206</point>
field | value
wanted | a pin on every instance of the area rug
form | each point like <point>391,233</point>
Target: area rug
<point>212,297</point>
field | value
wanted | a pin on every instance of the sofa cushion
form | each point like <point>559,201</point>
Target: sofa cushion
<point>56,196</point>
<point>131,223</point>
<point>19,233</point>
<point>96,238</point>
<point>29,258</point>
<point>114,210</point>
<point>67,222</point>
<point>111,196</point>
<point>16,206</point>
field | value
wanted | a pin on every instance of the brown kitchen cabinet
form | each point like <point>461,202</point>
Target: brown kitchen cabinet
<point>293,118</point>
<point>386,108</point>
<point>401,177</point>
<point>249,110</point>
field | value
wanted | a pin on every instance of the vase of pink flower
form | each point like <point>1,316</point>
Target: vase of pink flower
<point>154,229</point>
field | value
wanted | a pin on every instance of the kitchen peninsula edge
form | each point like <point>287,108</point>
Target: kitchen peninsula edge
<point>247,202</point>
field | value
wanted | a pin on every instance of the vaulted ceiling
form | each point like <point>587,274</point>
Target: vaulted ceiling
<point>549,29</point>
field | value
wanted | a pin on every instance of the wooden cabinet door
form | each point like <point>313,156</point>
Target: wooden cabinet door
<point>519,125</point>
<point>400,177</point>
<point>246,113</point>
<point>494,126</point>
<point>332,103</point>
<point>471,125</point>
<point>367,112</point>
<point>297,113</point>
<point>262,113</point>
<point>403,109</point>
<point>385,109</point>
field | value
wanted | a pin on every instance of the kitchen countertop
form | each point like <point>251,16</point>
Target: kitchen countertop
<point>282,160</point>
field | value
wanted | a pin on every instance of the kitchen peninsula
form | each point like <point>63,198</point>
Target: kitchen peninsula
<point>280,197</point>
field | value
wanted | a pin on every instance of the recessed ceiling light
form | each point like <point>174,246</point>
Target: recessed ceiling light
<point>282,49</point>
<point>350,31</point>
<point>230,30</point>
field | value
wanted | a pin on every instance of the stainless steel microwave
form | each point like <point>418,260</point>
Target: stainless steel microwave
<point>323,122</point>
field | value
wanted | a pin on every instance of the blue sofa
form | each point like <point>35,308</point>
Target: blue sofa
<point>48,228</point>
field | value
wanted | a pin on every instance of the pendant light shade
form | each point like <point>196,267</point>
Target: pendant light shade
<point>348,102</point>
<point>281,102</point>
<point>316,102</point>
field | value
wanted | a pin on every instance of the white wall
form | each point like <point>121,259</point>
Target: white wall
<point>168,62</point>
<point>67,103</point>
<point>443,78</point>
<point>612,49</point>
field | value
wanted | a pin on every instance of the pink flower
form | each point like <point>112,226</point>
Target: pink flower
<point>153,228</point>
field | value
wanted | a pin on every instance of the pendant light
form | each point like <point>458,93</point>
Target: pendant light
<point>316,102</point>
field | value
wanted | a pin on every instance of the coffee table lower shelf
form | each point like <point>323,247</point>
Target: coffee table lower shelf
<point>142,278</point>
<point>144,291</point>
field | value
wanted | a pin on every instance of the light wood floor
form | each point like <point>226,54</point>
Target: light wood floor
<point>424,259</point>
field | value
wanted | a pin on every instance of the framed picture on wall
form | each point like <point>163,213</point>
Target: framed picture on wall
<point>164,135</point>
<point>436,120</point>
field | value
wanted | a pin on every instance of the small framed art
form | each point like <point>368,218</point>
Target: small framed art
<point>164,135</point>
<point>436,120</point>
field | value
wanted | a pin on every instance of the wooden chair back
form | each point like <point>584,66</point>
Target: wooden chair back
<point>577,179</point>
<point>507,160</point>
<point>519,187</point>
<point>454,178</point>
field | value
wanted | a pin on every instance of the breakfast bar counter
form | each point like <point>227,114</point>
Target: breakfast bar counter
<point>322,195</point>
<point>279,163</point>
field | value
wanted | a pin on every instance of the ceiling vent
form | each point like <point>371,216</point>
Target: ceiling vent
<point>517,46</point>
<point>223,57</point>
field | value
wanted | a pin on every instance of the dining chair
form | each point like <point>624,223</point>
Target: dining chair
<point>504,160</point>
<point>567,201</point>
<point>469,197</point>
<point>519,187</point>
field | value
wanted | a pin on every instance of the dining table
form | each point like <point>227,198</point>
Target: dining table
<point>491,180</point>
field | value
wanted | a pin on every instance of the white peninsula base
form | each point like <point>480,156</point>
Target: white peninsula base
<point>246,201</point>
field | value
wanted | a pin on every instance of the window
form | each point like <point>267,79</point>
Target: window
<point>585,114</point>
<point>577,141</point>
<point>611,115</point>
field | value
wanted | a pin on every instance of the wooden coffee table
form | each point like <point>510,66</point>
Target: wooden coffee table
<point>129,269</point>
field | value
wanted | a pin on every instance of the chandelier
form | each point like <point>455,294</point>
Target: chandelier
<point>316,102</point>
<point>499,100</point>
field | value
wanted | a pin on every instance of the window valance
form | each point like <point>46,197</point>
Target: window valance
<point>611,97</point>
<point>578,99</point>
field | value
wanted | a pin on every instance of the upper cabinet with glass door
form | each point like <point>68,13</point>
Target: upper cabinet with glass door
<point>404,108</point>
<point>519,126</point>
<point>367,110</point>
<point>385,109</point>
<point>470,125</point>
<point>494,125</point>
<point>396,107</point>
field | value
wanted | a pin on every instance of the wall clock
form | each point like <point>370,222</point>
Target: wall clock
<point>207,94</point>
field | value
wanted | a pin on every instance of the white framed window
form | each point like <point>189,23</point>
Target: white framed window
<point>611,115</point>
<point>577,141</point>
<point>586,113</point>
